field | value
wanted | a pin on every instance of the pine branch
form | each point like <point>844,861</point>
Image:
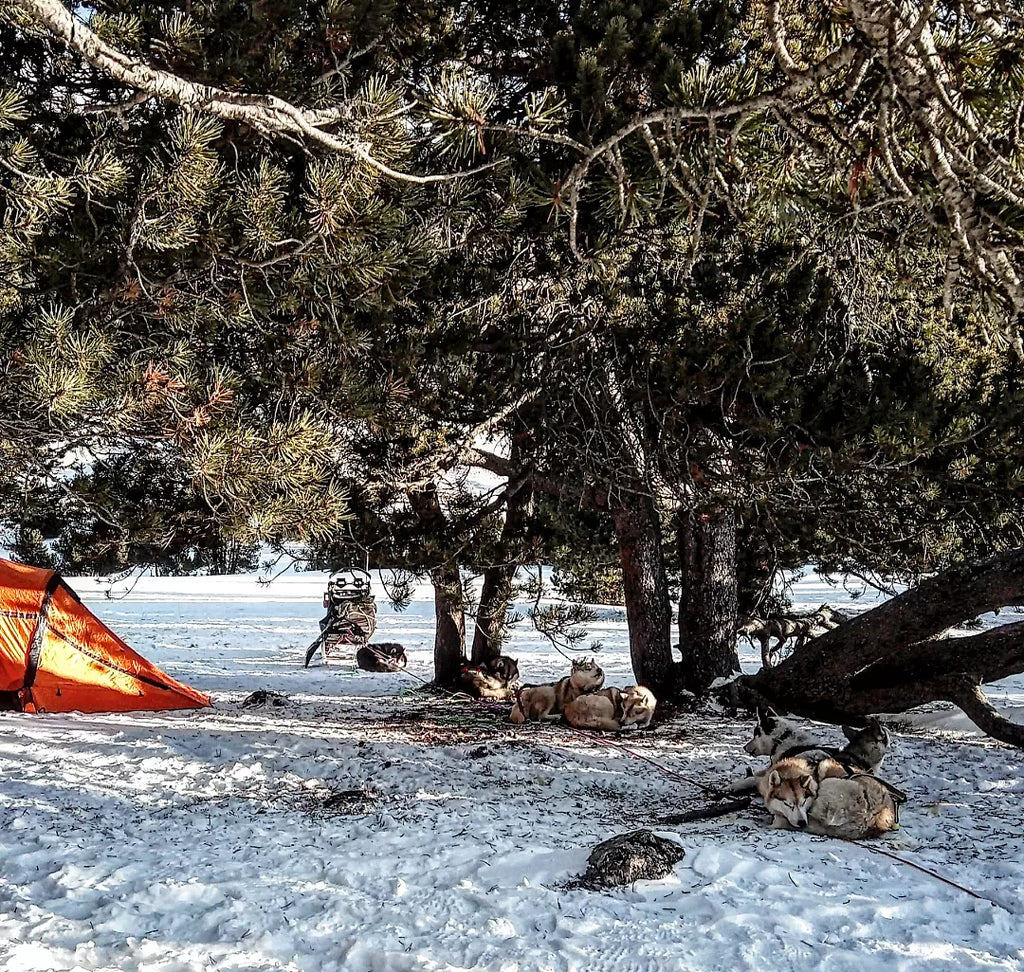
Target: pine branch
<point>267,114</point>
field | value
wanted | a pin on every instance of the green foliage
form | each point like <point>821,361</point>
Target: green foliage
<point>296,343</point>
<point>173,283</point>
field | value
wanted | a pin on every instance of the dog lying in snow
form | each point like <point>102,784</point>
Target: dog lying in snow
<point>824,798</point>
<point>386,656</point>
<point>638,707</point>
<point>778,739</point>
<point>548,701</point>
<point>612,709</point>
<point>494,679</point>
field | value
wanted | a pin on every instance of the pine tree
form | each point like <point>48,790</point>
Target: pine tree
<point>697,286</point>
<point>180,285</point>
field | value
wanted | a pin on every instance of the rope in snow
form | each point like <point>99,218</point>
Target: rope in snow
<point>647,759</point>
<point>869,847</point>
<point>713,791</point>
<point>494,706</point>
<point>930,873</point>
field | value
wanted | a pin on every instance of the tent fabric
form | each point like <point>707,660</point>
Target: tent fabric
<point>57,656</point>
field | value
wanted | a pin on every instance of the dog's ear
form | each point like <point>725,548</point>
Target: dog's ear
<point>829,767</point>
<point>850,732</point>
<point>773,778</point>
<point>767,720</point>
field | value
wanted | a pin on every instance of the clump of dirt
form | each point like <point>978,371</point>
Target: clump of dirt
<point>265,697</point>
<point>640,855</point>
<point>346,803</point>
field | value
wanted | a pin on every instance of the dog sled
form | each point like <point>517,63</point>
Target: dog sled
<point>351,617</point>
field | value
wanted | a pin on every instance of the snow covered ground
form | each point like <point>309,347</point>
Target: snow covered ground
<point>369,827</point>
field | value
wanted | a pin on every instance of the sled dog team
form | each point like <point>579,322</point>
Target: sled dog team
<point>583,703</point>
<point>820,789</point>
<point>578,698</point>
<point>824,790</point>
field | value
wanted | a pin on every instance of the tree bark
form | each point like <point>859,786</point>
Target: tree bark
<point>449,604</point>
<point>645,586</point>
<point>449,625</point>
<point>707,604</point>
<point>495,595</point>
<point>893,658</point>
<point>496,591</point>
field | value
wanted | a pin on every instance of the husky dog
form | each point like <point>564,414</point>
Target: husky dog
<point>386,656</point>
<point>827,800</point>
<point>612,709</point>
<point>866,747</point>
<point>774,736</point>
<point>493,679</point>
<point>788,790</point>
<point>778,739</point>
<point>602,709</point>
<point>638,705</point>
<point>548,701</point>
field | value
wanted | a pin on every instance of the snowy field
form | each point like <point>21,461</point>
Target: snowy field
<point>372,828</point>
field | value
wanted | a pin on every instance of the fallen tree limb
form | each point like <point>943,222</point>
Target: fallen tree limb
<point>892,659</point>
<point>976,706</point>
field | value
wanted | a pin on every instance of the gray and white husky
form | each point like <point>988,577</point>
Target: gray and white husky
<point>779,739</point>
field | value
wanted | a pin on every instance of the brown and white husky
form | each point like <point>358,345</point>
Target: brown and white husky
<point>825,800</point>
<point>612,709</point>
<point>638,704</point>
<point>596,710</point>
<point>548,701</point>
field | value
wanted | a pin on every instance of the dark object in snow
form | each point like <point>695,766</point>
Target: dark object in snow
<point>263,697</point>
<point>718,809</point>
<point>387,656</point>
<point>640,855</point>
<point>493,679</point>
<point>351,615</point>
<point>347,802</point>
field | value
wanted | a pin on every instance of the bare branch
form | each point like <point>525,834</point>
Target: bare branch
<point>267,114</point>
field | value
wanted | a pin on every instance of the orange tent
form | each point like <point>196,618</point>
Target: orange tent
<point>57,656</point>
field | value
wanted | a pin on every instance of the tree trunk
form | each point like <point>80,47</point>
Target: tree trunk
<point>707,605</point>
<point>449,604</point>
<point>496,592</point>
<point>893,658</point>
<point>645,587</point>
<point>449,625</point>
